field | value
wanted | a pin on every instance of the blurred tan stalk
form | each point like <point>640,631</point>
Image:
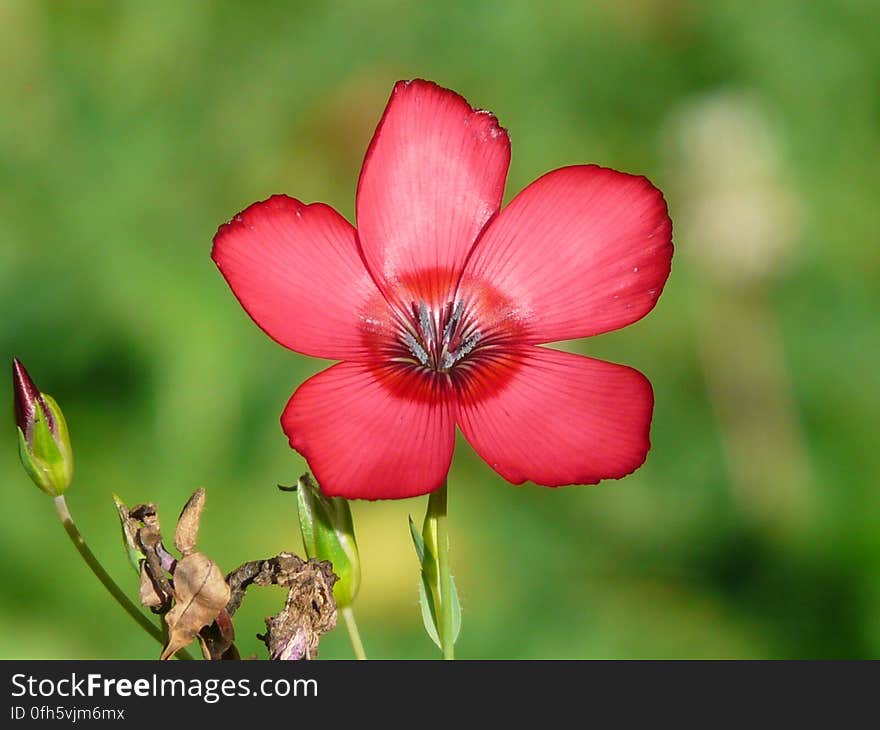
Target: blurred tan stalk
<point>737,223</point>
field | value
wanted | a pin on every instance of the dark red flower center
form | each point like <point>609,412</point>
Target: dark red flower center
<point>437,339</point>
<point>455,340</point>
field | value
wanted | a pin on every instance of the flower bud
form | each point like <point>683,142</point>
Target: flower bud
<point>328,534</point>
<point>43,441</point>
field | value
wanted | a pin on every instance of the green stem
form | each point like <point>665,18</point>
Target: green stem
<point>437,512</point>
<point>353,633</point>
<point>83,549</point>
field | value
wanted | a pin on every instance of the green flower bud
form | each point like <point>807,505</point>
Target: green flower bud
<point>43,441</point>
<point>328,534</point>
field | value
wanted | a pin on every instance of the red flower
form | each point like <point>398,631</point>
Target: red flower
<point>438,302</point>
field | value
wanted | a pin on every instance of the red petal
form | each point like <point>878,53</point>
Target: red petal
<point>372,434</point>
<point>580,251</point>
<point>433,176</point>
<point>297,271</point>
<point>555,418</point>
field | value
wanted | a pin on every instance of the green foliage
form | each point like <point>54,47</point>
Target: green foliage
<point>429,588</point>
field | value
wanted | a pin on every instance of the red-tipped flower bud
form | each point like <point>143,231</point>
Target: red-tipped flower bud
<point>43,441</point>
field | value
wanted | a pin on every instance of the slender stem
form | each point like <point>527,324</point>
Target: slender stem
<point>353,633</point>
<point>437,511</point>
<point>80,544</point>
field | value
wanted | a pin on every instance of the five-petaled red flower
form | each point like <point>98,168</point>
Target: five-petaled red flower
<point>438,303</point>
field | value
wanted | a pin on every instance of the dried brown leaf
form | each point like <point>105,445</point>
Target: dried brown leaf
<point>187,532</point>
<point>281,570</point>
<point>149,541</point>
<point>200,593</point>
<point>218,639</point>
<point>149,535</point>
<point>309,612</point>
<point>150,596</point>
<point>146,513</point>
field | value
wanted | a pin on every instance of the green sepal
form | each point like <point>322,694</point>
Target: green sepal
<point>327,531</point>
<point>43,444</point>
<point>48,460</point>
<point>305,506</point>
<point>31,466</point>
<point>62,436</point>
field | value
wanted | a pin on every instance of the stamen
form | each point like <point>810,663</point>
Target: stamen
<point>446,361</point>
<point>415,348</point>
<point>453,322</point>
<point>469,344</point>
<point>426,322</point>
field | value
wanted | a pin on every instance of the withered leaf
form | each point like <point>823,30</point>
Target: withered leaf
<point>309,612</point>
<point>200,593</point>
<point>281,570</point>
<point>187,532</point>
<point>150,596</point>
<point>149,541</point>
<point>218,639</point>
<point>150,533</point>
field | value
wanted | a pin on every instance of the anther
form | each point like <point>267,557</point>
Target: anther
<point>415,348</point>
<point>426,322</point>
<point>453,322</point>
<point>469,344</point>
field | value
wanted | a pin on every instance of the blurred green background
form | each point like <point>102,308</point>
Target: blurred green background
<point>129,131</point>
